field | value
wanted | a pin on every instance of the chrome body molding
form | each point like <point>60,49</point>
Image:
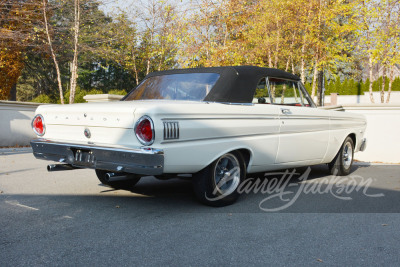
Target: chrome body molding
<point>141,160</point>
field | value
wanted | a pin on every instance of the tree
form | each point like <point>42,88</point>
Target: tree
<point>74,64</point>
<point>120,43</point>
<point>18,20</point>
<point>389,40</point>
<point>158,39</point>
<point>368,14</point>
<point>53,55</point>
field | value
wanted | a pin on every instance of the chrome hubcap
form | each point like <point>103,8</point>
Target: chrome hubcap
<point>227,174</point>
<point>347,155</point>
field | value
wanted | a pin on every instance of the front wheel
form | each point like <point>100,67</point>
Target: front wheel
<point>217,184</point>
<point>341,164</point>
<point>129,180</point>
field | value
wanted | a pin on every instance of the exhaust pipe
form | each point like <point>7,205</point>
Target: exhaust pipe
<point>59,167</point>
<point>113,177</point>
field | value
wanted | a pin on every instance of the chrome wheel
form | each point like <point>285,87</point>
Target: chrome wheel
<point>216,185</point>
<point>341,164</point>
<point>227,174</point>
<point>347,155</point>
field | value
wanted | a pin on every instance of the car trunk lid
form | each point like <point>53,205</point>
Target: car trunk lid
<point>110,115</point>
<point>107,123</point>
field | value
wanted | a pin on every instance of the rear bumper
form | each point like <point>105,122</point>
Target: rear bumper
<point>145,161</point>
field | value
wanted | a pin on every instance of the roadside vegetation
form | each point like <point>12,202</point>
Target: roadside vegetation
<point>57,51</point>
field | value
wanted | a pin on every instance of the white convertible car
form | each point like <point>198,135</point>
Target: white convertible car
<point>218,124</point>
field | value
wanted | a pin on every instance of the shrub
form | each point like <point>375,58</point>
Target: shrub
<point>43,99</point>
<point>117,92</point>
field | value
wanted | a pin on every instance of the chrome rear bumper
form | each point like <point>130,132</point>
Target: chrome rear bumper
<point>144,161</point>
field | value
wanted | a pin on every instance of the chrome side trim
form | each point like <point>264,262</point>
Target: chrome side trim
<point>229,103</point>
<point>218,138</point>
<point>347,119</point>
<point>263,117</point>
<point>143,160</point>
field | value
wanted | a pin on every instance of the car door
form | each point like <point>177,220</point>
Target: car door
<point>304,129</point>
<point>265,144</point>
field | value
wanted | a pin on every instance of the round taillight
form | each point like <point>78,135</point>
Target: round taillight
<point>38,125</point>
<point>144,130</point>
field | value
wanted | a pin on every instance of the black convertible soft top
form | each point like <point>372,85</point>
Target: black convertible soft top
<point>236,84</point>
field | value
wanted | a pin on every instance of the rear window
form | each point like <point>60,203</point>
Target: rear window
<point>188,86</point>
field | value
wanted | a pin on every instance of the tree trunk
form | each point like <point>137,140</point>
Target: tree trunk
<point>371,95</point>
<point>320,93</point>
<point>53,55</point>
<point>13,93</point>
<point>293,70</point>
<point>287,64</point>
<point>148,61</point>
<point>314,83</point>
<point>148,66</point>
<point>390,84</point>
<point>277,47</point>
<point>269,58</point>
<point>135,69</point>
<point>74,65</point>
<point>383,85</point>
<point>303,63</point>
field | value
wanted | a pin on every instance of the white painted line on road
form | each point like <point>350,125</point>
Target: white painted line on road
<point>16,203</point>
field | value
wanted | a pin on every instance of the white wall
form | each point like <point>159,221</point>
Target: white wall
<point>16,118</point>
<point>15,123</point>
<point>383,131</point>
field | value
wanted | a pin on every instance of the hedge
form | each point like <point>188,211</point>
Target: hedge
<point>352,87</point>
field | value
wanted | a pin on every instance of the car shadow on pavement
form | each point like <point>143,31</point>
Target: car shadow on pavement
<point>316,192</point>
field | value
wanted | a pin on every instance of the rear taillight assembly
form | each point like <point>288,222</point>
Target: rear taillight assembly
<point>38,125</point>
<point>144,130</point>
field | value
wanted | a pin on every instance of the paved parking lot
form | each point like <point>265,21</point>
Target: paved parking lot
<point>67,218</point>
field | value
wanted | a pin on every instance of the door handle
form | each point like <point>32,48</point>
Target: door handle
<point>285,110</point>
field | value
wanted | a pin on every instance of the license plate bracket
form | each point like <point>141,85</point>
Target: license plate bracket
<point>84,157</point>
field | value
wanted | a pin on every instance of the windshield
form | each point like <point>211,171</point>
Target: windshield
<point>188,86</point>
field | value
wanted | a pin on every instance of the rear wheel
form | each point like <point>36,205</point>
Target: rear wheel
<point>129,180</point>
<point>341,164</point>
<point>217,184</point>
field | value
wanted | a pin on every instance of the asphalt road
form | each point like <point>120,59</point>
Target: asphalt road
<point>68,219</point>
